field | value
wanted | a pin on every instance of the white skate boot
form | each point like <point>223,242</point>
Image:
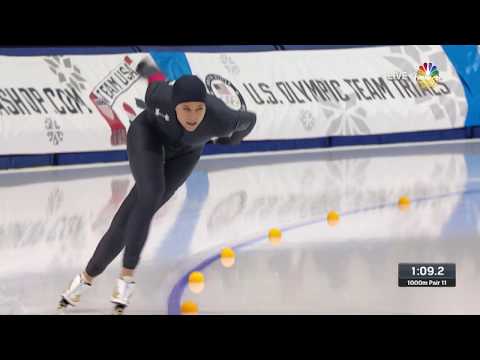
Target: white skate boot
<point>71,296</point>
<point>121,294</point>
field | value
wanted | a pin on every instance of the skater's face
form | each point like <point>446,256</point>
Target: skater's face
<point>190,114</point>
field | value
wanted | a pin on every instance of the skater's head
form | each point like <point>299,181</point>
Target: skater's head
<point>188,98</point>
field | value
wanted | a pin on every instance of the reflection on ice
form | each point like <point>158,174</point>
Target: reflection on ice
<point>52,220</point>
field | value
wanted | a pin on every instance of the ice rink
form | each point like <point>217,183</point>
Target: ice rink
<point>51,220</point>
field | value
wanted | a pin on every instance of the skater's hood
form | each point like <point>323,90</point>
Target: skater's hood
<point>188,88</point>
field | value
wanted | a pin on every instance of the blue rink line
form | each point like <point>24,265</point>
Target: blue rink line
<point>177,292</point>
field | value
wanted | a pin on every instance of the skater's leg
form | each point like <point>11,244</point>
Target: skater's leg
<point>177,171</point>
<point>145,155</point>
<point>112,242</point>
<point>148,169</point>
<point>149,174</point>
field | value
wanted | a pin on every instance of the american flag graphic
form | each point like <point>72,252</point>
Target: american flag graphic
<point>221,88</point>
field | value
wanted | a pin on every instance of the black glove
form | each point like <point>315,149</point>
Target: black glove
<point>145,69</point>
<point>222,141</point>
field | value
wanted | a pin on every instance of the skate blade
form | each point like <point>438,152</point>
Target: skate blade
<point>61,310</point>
<point>119,309</point>
<point>62,307</point>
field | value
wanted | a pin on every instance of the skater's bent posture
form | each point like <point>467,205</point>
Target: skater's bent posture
<point>164,143</point>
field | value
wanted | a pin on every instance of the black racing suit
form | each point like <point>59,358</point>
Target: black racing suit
<point>162,155</point>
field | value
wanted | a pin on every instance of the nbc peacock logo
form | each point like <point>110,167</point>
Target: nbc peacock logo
<point>428,76</point>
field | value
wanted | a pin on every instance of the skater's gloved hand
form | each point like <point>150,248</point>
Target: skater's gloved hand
<point>146,69</point>
<point>224,141</point>
<point>246,123</point>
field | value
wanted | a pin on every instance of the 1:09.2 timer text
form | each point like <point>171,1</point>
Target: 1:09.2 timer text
<point>428,271</point>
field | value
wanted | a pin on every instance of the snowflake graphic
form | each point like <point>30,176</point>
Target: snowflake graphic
<point>349,118</point>
<point>66,72</point>
<point>453,106</point>
<point>344,118</point>
<point>307,119</point>
<point>54,132</point>
<point>229,64</point>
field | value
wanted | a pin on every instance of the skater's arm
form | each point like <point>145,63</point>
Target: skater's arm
<point>150,72</point>
<point>246,121</point>
<point>157,84</point>
<point>233,125</point>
